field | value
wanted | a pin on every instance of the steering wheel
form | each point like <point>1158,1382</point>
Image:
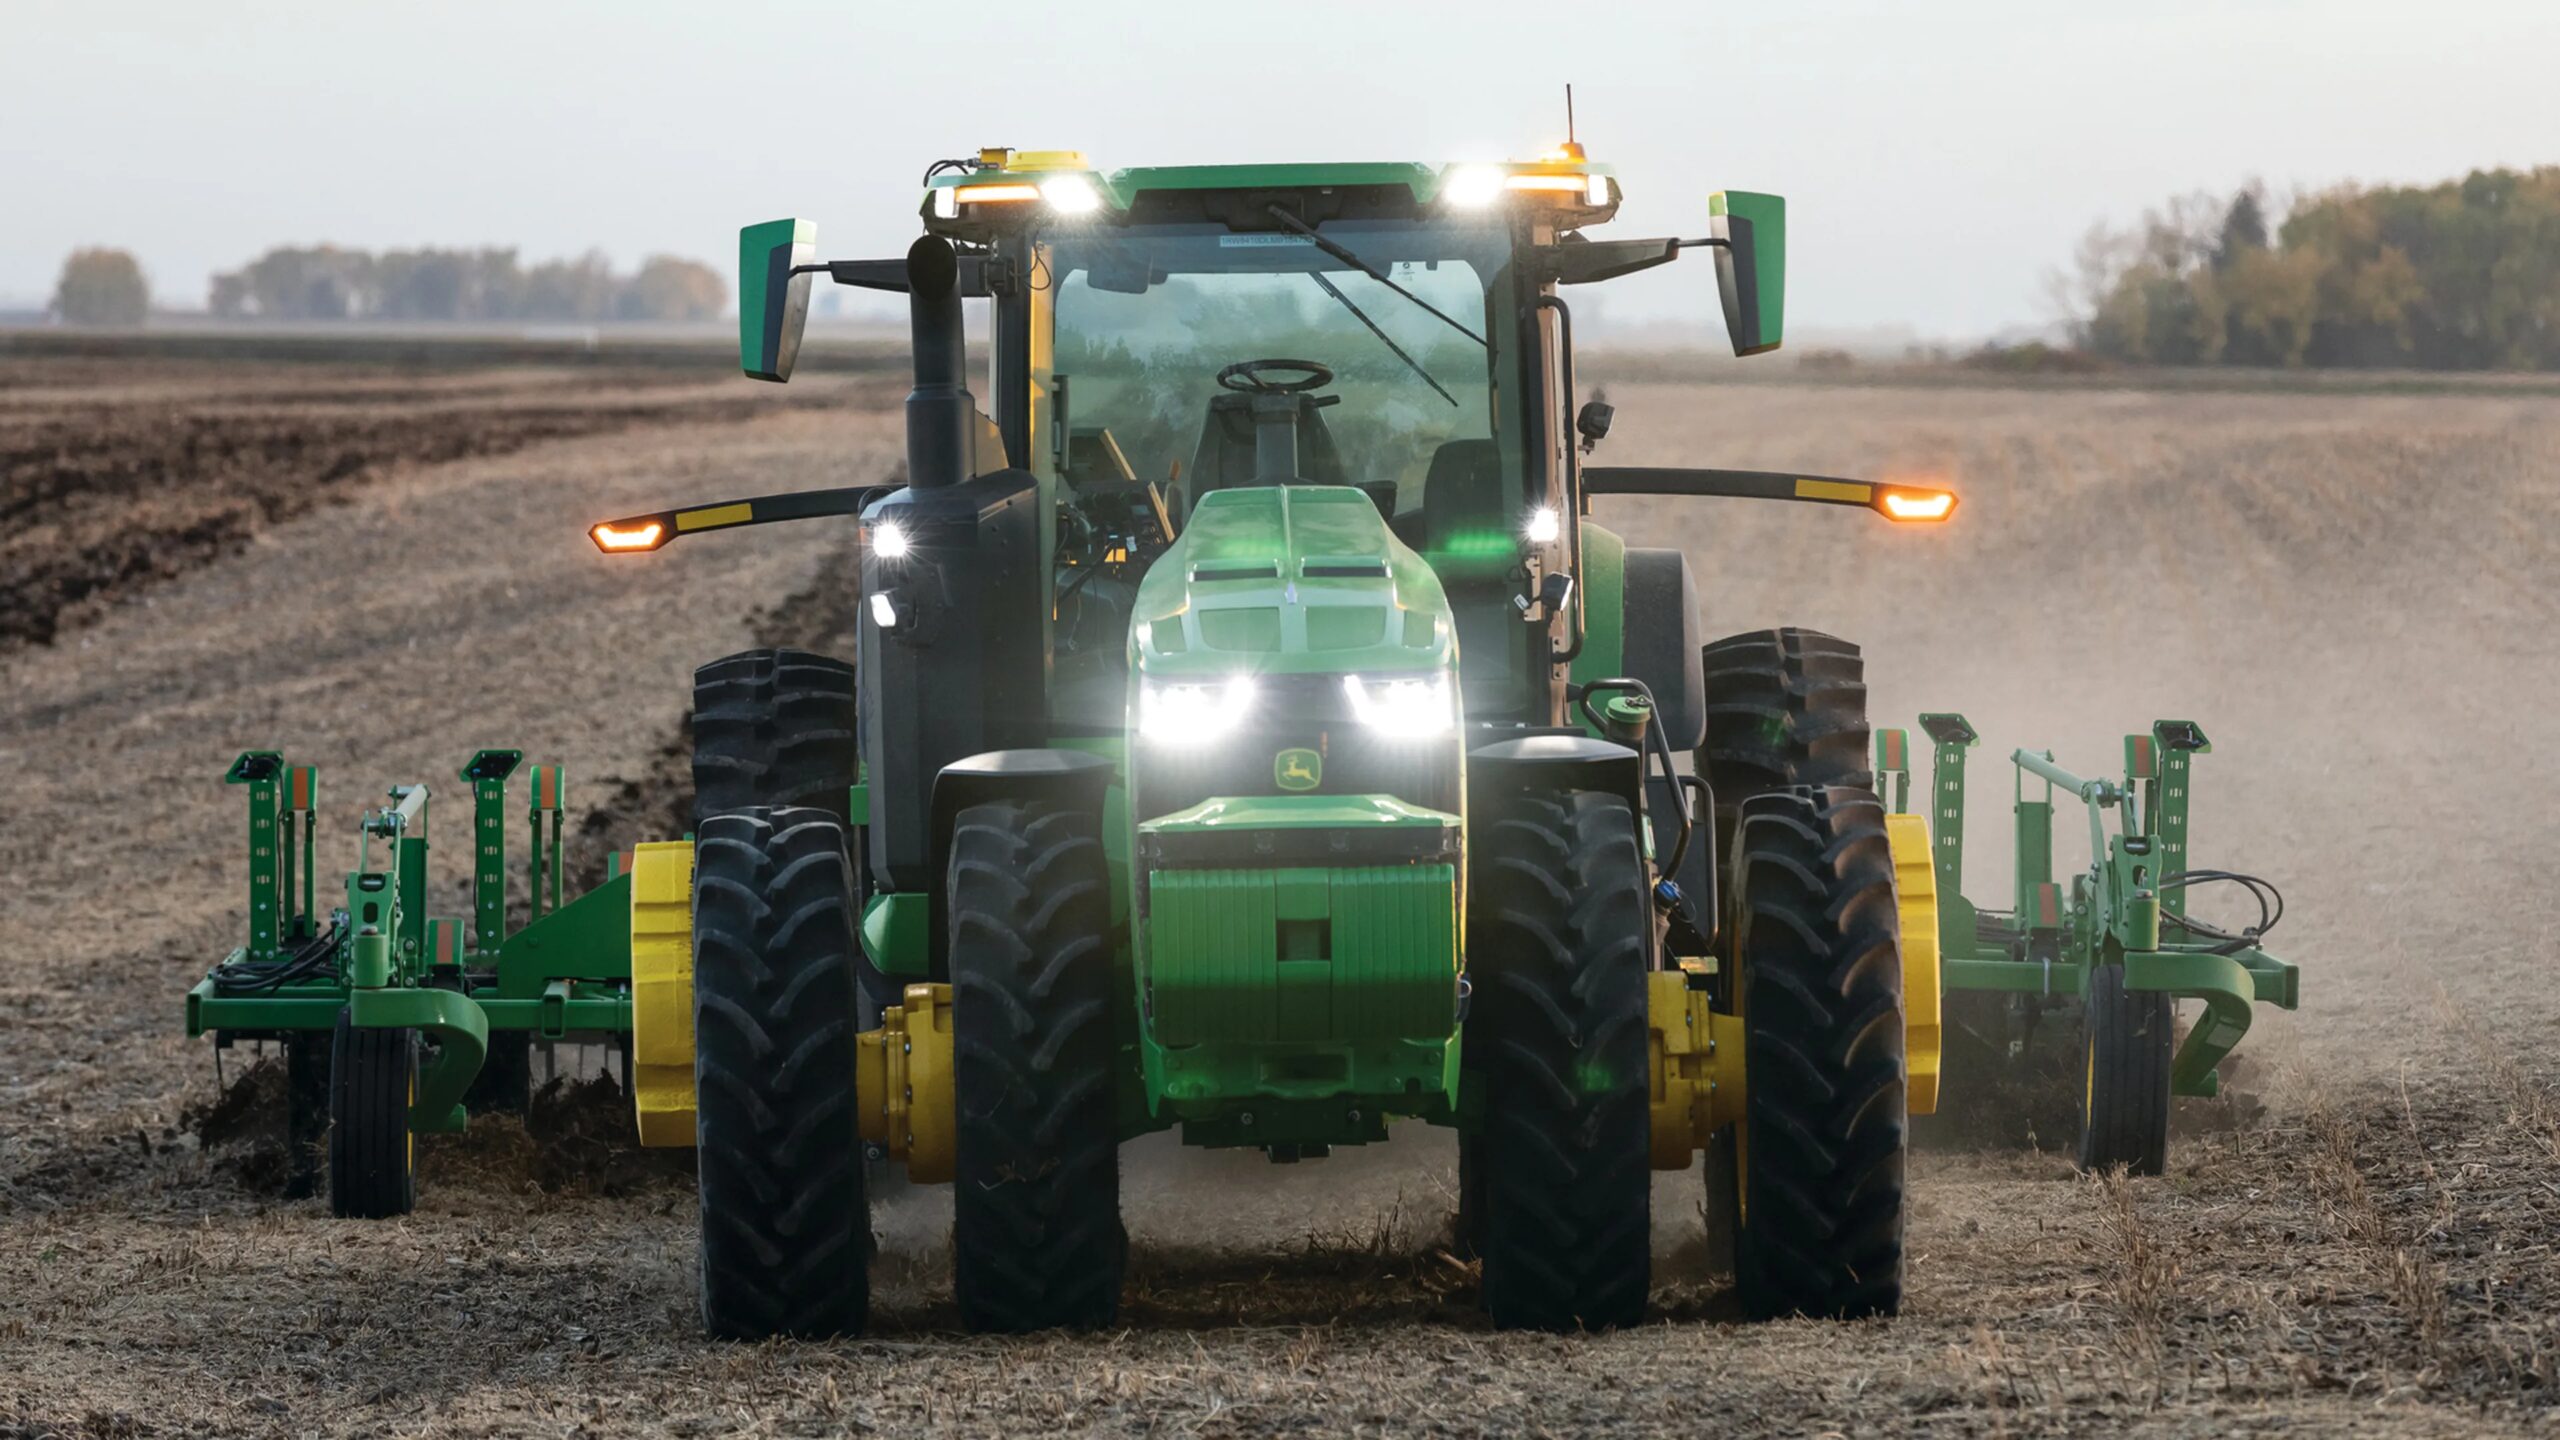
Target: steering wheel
<point>1247,376</point>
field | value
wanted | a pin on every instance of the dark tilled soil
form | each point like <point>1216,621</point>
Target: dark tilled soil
<point>105,492</point>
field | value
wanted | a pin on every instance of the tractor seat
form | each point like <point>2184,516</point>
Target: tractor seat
<point>1463,511</point>
<point>1224,458</point>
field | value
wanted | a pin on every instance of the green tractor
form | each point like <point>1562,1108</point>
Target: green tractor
<point>1250,735</point>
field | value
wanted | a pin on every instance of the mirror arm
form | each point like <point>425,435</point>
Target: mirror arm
<point>637,534</point>
<point>1893,501</point>
<point>891,275</point>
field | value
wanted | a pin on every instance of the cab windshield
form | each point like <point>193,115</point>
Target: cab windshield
<point>1145,319</point>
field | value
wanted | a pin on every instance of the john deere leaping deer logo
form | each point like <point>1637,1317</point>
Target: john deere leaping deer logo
<point>1297,769</point>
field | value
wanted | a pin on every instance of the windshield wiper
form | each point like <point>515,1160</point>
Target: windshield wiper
<point>1363,317</point>
<point>1373,272</point>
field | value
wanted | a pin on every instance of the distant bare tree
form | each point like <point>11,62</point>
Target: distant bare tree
<point>102,287</point>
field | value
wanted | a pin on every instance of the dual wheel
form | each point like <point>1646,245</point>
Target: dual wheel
<point>782,990</point>
<point>1556,1185</point>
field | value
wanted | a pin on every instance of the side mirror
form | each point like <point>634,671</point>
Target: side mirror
<point>773,303</point>
<point>1591,422</point>
<point>1751,266</point>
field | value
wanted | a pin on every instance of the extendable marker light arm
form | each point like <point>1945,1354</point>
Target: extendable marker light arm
<point>1907,504</point>
<point>637,534</point>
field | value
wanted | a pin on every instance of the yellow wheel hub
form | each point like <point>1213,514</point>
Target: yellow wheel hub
<point>1915,886</point>
<point>662,991</point>
<point>902,1076</point>
<point>1696,1055</point>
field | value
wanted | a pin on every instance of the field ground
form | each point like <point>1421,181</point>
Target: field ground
<point>2352,592</point>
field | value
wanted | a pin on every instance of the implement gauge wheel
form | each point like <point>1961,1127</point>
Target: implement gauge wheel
<point>1784,708</point>
<point>1556,941</point>
<point>786,1230</point>
<point>775,728</point>
<point>1036,1234</point>
<point>2124,1107</point>
<point>373,1158</point>
<point>1818,942</point>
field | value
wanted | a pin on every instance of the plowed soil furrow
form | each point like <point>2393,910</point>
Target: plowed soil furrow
<point>2349,592</point>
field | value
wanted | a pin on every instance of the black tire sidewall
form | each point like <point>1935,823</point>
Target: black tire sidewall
<point>1558,946</point>
<point>1037,1237</point>
<point>2127,1043</point>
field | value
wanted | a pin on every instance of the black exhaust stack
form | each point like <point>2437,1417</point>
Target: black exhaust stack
<point>941,413</point>
<point>951,653</point>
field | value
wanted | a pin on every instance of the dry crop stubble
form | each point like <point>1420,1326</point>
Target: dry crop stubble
<point>2371,1254</point>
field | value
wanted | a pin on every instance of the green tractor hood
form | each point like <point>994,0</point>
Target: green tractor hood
<point>1289,579</point>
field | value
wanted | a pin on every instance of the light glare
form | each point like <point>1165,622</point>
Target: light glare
<point>1071,194</point>
<point>1471,186</point>
<point>1543,526</point>
<point>643,538</point>
<point>1006,193</point>
<point>1918,504</point>
<point>889,540</point>
<point>1189,714</point>
<point>1407,708</point>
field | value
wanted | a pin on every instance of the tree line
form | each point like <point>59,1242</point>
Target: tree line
<point>328,282</point>
<point>2463,275</point>
<point>104,286</point>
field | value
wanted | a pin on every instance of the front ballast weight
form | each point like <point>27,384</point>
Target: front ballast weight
<point>441,1009</point>
<point>2104,956</point>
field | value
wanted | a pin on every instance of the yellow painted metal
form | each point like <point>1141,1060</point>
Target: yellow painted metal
<point>714,517</point>
<point>1696,1056</point>
<point>1915,884</point>
<point>902,1084</point>
<point>662,991</point>
<point>1047,160</point>
<point>1849,490</point>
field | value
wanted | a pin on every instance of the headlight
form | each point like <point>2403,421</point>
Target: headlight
<point>1408,708</point>
<point>1187,714</point>
<point>1071,194</point>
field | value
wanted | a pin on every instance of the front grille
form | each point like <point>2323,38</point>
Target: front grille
<point>1293,712</point>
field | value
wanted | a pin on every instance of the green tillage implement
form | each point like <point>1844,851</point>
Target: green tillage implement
<point>2101,946</point>
<point>381,962</point>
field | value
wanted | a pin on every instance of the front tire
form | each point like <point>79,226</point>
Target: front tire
<point>1824,1137</point>
<point>373,1158</point>
<point>2124,1112</point>
<point>1557,943</point>
<point>1036,1227</point>
<point>786,1229</point>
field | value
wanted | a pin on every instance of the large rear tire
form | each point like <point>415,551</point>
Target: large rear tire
<point>1557,947</point>
<point>1036,1228</point>
<point>786,1230</point>
<point>2124,1112</point>
<point>777,728</point>
<point>373,1158</point>
<point>1818,942</point>
<point>1785,707</point>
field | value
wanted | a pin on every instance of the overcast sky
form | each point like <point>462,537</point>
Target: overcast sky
<point>1940,158</point>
